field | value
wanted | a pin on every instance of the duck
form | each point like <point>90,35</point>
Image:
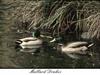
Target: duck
<point>74,49</point>
<point>30,42</point>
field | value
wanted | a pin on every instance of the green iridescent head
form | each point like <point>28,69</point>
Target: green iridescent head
<point>36,33</point>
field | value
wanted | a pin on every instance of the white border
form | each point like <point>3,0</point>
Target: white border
<point>63,72</point>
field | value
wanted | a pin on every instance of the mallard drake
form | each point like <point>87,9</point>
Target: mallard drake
<point>74,48</point>
<point>33,42</point>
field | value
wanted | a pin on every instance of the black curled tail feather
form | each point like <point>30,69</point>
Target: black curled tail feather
<point>18,42</point>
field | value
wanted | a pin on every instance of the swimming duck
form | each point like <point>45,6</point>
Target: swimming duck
<point>72,49</point>
<point>30,42</point>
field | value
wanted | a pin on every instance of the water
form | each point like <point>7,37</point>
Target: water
<point>11,57</point>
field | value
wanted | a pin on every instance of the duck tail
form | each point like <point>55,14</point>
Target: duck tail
<point>18,42</point>
<point>90,45</point>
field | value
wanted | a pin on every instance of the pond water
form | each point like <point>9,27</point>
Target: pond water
<point>11,57</point>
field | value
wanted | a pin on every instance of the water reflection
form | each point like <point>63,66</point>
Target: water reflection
<point>28,49</point>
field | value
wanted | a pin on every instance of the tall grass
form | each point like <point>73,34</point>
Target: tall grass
<point>59,16</point>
